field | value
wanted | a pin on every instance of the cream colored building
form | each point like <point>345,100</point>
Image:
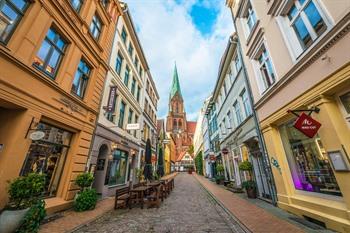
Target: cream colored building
<point>116,151</point>
<point>297,58</point>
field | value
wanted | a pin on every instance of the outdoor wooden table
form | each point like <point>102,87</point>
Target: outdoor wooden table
<point>141,191</point>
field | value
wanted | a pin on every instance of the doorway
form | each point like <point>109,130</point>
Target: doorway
<point>100,168</point>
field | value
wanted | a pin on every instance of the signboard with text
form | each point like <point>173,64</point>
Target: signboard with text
<point>133,126</point>
<point>111,99</point>
<point>307,125</point>
<point>224,151</point>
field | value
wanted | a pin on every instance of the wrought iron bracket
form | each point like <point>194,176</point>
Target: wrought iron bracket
<point>309,111</point>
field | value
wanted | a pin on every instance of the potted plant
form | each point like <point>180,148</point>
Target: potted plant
<point>219,179</point>
<point>86,198</point>
<point>248,185</point>
<point>139,174</point>
<point>24,192</point>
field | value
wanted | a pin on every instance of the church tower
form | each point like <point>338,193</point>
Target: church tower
<point>177,125</point>
<point>176,120</point>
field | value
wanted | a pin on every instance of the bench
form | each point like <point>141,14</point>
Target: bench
<point>122,196</point>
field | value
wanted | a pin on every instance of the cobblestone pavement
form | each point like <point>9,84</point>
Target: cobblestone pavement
<point>189,208</point>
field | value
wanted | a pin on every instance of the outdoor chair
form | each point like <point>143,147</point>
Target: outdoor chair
<point>154,198</point>
<point>122,196</point>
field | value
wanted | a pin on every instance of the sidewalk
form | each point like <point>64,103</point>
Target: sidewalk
<point>71,219</point>
<point>252,217</point>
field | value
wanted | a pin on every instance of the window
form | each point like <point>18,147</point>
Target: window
<point>121,115</point>
<point>81,79</point>
<point>117,168</point>
<point>48,156</point>
<point>251,18</point>
<point>119,63</point>
<point>238,113</point>
<point>126,76</point>
<point>124,35</point>
<point>266,70</point>
<point>306,21</point>
<point>105,3</point>
<point>96,27</point>
<point>308,161</point>
<point>50,54</point>
<point>238,63</point>
<point>133,84</point>
<point>11,13</point>
<point>76,4</point>
<point>140,72</point>
<point>229,117</point>
<point>136,121</point>
<point>225,89</point>
<point>246,103</point>
<point>130,49</point>
<point>138,94</point>
<point>136,62</point>
<point>131,113</point>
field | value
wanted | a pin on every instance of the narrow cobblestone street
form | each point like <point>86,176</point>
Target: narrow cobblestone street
<point>189,208</point>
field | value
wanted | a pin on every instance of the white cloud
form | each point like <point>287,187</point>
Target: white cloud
<point>168,34</point>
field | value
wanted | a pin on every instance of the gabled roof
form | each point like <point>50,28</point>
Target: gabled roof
<point>191,126</point>
<point>175,85</point>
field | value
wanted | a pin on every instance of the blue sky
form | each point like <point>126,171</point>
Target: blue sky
<point>193,33</point>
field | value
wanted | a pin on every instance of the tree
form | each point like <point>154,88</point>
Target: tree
<point>199,163</point>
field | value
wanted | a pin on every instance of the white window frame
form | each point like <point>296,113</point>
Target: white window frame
<point>290,37</point>
<point>257,67</point>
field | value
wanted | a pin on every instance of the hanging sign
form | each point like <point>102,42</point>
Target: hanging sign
<point>111,99</point>
<point>212,157</point>
<point>307,125</point>
<point>224,151</point>
<point>37,135</point>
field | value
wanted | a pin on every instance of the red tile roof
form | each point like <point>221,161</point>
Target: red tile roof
<point>191,126</point>
<point>182,154</point>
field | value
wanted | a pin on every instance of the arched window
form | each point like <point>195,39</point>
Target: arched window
<point>180,124</point>
<point>174,124</point>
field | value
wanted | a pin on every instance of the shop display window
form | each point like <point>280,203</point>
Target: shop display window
<point>47,156</point>
<point>308,162</point>
<point>117,168</point>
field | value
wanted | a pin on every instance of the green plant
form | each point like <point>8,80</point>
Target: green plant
<point>220,168</point>
<point>33,218</point>
<point>84,180</point>
<point>25,190</point>
<point>139,174</point>
<point>219,177</point>
<point>246,166</point>
<point>199,163</point>
<point>86,200</point>
<point>249,184</point>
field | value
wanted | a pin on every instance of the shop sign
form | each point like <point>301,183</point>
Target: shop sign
<point>154,159</point>
<point>307,125</point>
<point>212,157</point>
<point>224,151</point>
<point>133,126</point>
<point>111,99</point>
<point>37,135</point>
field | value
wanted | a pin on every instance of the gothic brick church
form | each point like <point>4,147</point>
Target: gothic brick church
<point>177,124</point>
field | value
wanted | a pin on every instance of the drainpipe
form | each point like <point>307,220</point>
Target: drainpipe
<point>266,159</point>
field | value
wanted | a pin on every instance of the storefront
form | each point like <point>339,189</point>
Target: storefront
<point>114,159</point>
<point>48,156</point>
<point>312,170</point>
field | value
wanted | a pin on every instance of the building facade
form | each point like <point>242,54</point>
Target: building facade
<point>213,155</point>
<point>117,149</point>
<point>54,60</point>
<point>176,123</point>
<point>206,141</point>
<point>299,74</point>
<point>238,131</point>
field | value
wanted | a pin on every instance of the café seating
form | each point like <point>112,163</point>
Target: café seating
<point>122,196</point>
<point>155,197</point>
